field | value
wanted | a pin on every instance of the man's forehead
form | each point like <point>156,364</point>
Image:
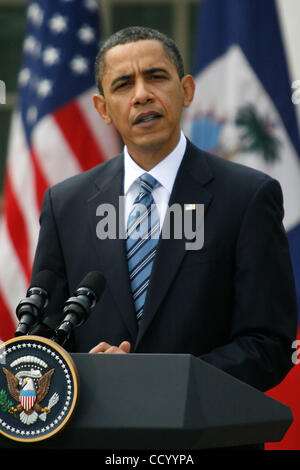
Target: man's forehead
<point>145,54</point>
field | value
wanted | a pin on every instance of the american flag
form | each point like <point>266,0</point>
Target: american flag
<point>55,132</point>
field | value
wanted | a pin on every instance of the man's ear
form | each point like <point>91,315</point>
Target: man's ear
<point>101,108</point>
<point>188,89</point>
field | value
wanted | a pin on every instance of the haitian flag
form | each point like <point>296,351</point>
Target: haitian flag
<point>243,111</point>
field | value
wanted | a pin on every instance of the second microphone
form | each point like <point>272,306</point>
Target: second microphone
<point>77,308</point>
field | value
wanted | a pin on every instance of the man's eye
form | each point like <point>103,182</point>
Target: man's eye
<point>121,85</point>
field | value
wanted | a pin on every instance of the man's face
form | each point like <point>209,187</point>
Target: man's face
<point>144,97</point>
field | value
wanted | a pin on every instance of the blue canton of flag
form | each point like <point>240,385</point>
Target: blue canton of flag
<point>60,47</point>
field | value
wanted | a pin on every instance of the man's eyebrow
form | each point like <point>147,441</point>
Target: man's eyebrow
<point>150,71</point>
<point>122,78</point>
<point>155,70</point>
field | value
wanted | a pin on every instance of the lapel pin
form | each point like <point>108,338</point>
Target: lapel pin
<point>190,207</point>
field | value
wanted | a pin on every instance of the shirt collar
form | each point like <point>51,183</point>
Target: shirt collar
<point>165,171</point>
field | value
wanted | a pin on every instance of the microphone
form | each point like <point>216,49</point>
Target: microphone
<point>77,308</point>
<point>30,310</point>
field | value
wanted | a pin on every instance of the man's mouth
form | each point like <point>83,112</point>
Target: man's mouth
<point>147,117</point>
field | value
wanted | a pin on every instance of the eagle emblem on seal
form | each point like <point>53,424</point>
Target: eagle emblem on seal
<point>29,387</point>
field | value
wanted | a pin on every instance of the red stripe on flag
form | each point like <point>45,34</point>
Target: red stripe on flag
<point>287,392</point>
<point>41,183</point>
<point>79,136</point>
<point>16,227</point>
<point>7,324</point>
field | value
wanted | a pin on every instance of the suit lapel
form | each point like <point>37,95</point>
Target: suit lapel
<point>112,252</point>
<point>189,188</point>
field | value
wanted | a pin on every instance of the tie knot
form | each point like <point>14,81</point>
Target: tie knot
<point>147,182</point>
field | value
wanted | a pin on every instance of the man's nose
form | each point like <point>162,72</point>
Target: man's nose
<point>142,93</point>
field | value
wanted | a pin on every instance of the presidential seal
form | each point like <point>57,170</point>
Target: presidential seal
<point>38,388</point>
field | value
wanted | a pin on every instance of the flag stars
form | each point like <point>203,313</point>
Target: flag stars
<point>91,5</point>
<point>29,44</point>
<point>63,41</point>
<point>79,65</point>
<point>44,88</point>
<point>86,34</point>
<point>31,114</point>
<point>32,46</point>
<point>35,14</point>
<point>24,77</point>
<point>50,56</point>
<point>58,24</point>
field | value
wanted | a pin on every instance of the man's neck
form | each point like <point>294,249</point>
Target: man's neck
<point>150,157</point>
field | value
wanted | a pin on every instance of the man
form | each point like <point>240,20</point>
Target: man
<point>232,303</point>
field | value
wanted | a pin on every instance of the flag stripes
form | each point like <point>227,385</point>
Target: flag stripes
<point>40,180</point>
<point>16,227</point>
<point>86,150</point>
<point>51,149</point>
<point>8,325</point>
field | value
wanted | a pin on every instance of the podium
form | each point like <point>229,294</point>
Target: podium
<point>163,401</point>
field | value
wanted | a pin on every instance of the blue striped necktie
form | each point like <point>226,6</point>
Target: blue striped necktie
<point>142,237</point>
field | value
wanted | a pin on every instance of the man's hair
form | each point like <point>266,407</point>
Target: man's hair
<point>134,34</point>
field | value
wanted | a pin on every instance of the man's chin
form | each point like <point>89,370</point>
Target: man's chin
<point>160,141</point>
<point>153,141</point>
<point>149,148</point>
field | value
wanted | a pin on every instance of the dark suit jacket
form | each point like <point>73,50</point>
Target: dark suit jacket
<point>232,303</point>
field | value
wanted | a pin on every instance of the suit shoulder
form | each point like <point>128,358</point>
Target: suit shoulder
<point>232,173</point>
<point>235,184</point>
<point>235,170</point>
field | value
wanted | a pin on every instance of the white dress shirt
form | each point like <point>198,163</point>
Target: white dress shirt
<point>164,172</point>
